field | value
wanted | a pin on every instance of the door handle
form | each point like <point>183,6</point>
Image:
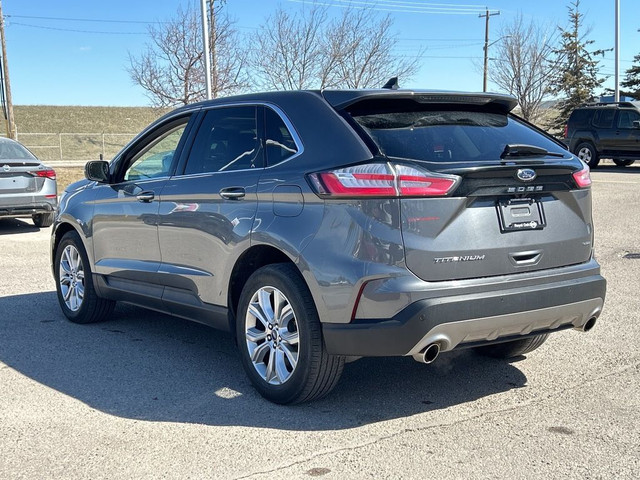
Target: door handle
<point>232,193</point>
<point>145,197</point>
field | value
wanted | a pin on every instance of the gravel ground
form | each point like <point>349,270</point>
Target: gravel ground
<point>148,396</point>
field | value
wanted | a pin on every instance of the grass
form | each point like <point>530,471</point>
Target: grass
<point>95,129</point>
<point>65,176</point>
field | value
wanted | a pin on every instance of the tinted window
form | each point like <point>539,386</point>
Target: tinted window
<point>449,135</point>
<point>627,117</point>
<point>156,158</point>
<point>227,140</point>
<point>580,118</point>
<point>604,118</point>
<point>278,139</point>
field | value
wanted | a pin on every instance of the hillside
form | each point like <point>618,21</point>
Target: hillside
<point>79,133</point>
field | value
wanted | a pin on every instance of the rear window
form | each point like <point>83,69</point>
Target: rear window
<point>458,135</point>
<point>14,151</point>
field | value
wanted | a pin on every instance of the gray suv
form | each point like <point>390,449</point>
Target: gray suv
<point>320,227</point>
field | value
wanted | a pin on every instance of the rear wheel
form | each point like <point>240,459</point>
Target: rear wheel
<point>42,220</point>
<point>588,154</point>
<point>514,348</point>
<point>280,338</point>
<point>623,163</point>
<point>74,284</point>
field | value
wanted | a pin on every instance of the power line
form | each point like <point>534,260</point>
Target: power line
<point>97,20</point>
<point>399,7</point>
<point>76,31</point>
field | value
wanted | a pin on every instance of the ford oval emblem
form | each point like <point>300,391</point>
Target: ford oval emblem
<point>526,175</point>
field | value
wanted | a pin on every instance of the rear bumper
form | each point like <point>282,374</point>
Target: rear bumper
<point>28,209</point>
<point>468,320</point>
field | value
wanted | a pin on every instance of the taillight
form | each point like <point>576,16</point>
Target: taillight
<point>583,177</point>
<point>48,173</point>
<point>382,180</point>
<point>566,130</point>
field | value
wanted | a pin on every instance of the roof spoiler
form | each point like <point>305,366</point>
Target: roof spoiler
<point>341,99</point>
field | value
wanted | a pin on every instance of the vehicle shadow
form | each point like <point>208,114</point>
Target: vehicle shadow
<point>16,225</point>
<point>611,168</point>
<point>148,366</point>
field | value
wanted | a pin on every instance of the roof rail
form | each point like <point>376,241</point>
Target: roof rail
<point>606,104</point>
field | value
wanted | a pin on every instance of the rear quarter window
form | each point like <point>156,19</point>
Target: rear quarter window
<point>449,135</point>
<point>580,118</point>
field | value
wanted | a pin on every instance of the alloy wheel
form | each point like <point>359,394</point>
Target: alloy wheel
<point>71,276</point>
<point>271,333</point>
<point>585,154</point>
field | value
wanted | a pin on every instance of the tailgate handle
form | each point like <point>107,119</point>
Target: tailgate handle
<point>526,258</point>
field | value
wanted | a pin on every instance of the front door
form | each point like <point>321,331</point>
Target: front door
<point>125,231</point>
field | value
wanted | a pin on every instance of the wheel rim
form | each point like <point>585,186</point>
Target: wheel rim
<point>584,154</point>
<point>71,278</point>
<point>271,333</point>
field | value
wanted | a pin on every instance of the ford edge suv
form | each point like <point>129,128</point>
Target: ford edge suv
<point>319,227</point>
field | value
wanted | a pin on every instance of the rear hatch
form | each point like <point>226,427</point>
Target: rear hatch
<point>521,202</point>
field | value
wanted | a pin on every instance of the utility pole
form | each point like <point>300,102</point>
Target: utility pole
<point>214,54</point>
<point>486,15</point>
<point>11,125</point>
<point>616,97</point>
<point>205,45</point>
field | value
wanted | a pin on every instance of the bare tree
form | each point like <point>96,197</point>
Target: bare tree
<point>358,52</point>
<point>309,50</point>
<point>171,68</point>
<point>525,64</point>
<point>288,50</point>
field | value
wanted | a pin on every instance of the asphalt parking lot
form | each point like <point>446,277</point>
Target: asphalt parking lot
<point>148,396</point>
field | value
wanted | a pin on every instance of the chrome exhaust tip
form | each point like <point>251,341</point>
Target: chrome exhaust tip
<point>429,354</point>
<point>589,324</point>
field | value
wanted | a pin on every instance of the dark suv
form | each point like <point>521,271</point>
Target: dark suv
<point>319,227</point>
<point>609,130</point>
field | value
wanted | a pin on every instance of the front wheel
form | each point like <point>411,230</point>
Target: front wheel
<point>623,163</point>
<point>280,338</point>
<point>588,154</point>
<point>514,348</point>
<point>74,283</point>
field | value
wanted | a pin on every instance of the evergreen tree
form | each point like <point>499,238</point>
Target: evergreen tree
<point>631,82</point>
<point>577,76</point>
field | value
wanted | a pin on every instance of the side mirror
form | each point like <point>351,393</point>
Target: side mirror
<point>636,124</point>
<point>97,171</point>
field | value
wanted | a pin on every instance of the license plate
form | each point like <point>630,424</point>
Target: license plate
<point>521,214</point>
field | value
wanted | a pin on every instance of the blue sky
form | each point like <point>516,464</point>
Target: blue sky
<point>57,59</point>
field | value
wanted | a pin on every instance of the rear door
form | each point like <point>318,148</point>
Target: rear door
<point>604,127</point>
<point>207,211</point>
<point>507,214</point>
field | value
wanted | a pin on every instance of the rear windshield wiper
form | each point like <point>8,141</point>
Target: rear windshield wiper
<point>512,151</point>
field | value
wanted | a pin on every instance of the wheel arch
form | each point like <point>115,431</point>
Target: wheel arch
<point>60,231</point>
<point>252,259</point>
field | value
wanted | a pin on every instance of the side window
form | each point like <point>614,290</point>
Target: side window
<point>155,159</point>
<point>604,118</point>
<point>278,140</point>
<point>626,118</point>
<point>227,140</point>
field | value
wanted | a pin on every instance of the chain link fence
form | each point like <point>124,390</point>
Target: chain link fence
<point>74,146</point>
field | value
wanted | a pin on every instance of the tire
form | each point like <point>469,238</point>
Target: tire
<point>586,152</point>
<point>283,353</point>
<point>514,348</point>
<point>74,283</point>
<point>623,163</point>
<point>42,220</point>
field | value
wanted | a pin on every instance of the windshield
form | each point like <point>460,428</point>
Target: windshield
<point>450,135</point>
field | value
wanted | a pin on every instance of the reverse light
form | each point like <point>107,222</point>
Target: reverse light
<point>48,173</point>
<point>583,177</point>
<point>382,180</point>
